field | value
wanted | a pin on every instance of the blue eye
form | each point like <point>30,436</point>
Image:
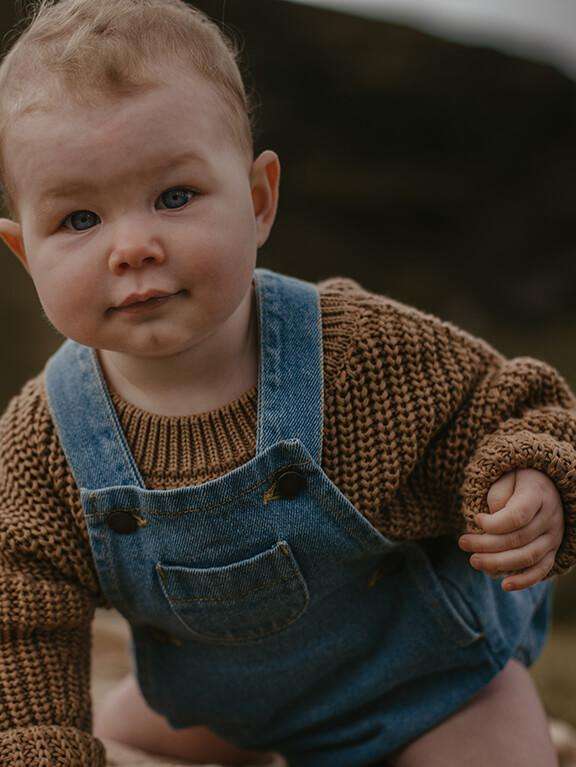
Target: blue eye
<point>82,220</point>
<point>171,197</point>
<point>82,217</point>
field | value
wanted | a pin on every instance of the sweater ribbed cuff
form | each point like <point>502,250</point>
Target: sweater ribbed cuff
<point>50,746</point>
<point>498,454</point>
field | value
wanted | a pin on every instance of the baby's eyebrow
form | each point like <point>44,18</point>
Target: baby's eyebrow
<point>65,189</point>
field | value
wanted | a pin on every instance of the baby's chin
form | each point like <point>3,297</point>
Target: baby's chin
<point>150,340</point>
<point>156,346</point>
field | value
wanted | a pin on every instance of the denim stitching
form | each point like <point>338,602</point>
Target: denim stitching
<point>226,502</point>
<point>300,591</point>
<point>283,550</point>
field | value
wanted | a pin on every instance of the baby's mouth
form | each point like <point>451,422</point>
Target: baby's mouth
<point>149,303</point>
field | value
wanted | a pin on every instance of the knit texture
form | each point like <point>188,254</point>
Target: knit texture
<point>420,419</point>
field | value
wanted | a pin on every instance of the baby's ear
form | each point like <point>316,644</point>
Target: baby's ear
<point>11,233</point>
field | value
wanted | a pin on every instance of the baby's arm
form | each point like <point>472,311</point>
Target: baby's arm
<point>455,416</point>
<point>520,415</point>
<point>536,430</point>
<point>45,610</point>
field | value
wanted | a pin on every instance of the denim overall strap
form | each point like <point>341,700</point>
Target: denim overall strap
<point>83,413</point>
<point>290,390</point>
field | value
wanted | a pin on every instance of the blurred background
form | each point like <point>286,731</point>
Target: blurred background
<point>428,150</point>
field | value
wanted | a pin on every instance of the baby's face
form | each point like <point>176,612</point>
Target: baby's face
<point>110,206</point>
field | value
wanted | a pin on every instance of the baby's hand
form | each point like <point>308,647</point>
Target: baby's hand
<point>526,527</point>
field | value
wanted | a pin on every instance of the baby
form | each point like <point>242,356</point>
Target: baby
<point>268,478</point>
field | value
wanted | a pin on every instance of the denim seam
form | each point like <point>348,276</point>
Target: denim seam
<point>281,549</point>
<point>473,612</point>
<point>110,566</point>
<point>214,507</point>
<point>447,622</point>
<point>277,627</point>
<point>345,524</point>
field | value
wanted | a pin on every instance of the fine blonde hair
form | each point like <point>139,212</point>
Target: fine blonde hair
<point>111,49</point>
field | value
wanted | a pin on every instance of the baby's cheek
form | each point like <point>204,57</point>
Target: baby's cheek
<point>70,304</point>
<point>220,283</point>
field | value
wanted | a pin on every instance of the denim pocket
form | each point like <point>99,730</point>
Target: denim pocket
<point>237,603</point>
<point>442,572</point>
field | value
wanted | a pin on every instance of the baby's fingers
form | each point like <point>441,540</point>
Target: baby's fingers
<point>488,542</point>
<point>531,575</point>
<point>531,559</point>
<point>518,512</point>
<point>501,492</point>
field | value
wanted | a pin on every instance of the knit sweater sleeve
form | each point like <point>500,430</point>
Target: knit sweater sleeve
<point>457,415</point>
<point>46,605</point>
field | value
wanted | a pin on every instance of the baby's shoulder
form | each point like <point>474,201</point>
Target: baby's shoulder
<point>349,293</point>
<point>392,330</point>
<point>26,417</point>
<point>346,296</point>
<point>32,461</point>
<point>24,455</point>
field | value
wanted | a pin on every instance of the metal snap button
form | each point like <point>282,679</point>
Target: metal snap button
<point>121,522</point>
<point>290,483</point>
<point>392,563</point>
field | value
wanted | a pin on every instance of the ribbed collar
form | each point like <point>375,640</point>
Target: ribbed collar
<point>170,450</point>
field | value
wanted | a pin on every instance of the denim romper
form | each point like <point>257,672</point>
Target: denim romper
<point>262,603</point>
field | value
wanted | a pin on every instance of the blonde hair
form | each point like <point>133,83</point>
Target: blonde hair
<point>112,49</point>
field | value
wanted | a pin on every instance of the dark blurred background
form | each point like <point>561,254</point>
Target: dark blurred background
<point>429,156</point>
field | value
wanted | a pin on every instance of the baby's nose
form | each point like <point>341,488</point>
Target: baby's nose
<point>135,254</point>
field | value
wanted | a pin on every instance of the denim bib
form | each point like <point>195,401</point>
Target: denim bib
<point>262,603</point>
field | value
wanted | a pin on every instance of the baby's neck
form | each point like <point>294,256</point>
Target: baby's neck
<point>133,383</point>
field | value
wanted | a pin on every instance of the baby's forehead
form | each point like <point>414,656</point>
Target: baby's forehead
<point>165,118</point>
<point>191,98</point>
<point>196,101</point>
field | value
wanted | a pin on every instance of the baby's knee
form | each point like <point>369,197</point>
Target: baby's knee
<point>510,684</point>
<point>504,723</point>
<point>125,717</point>
<point>124,712</point>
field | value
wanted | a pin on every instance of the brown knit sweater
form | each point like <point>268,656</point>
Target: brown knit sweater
<point>420,419</point>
